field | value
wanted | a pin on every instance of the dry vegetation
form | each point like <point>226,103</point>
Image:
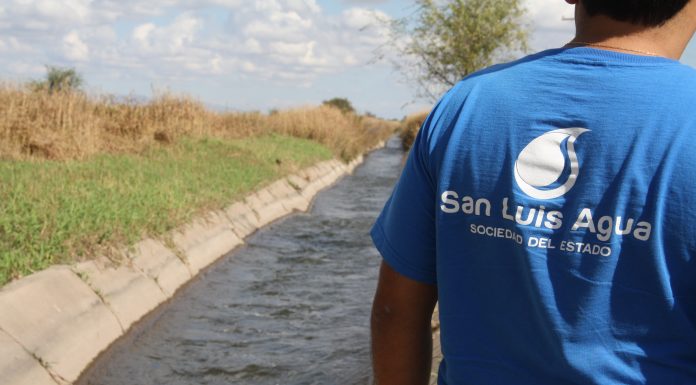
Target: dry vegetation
<point>409,128</point>
<point>72,125</point>
<point>83,175</point>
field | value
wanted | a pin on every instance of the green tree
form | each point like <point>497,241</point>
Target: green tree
<point>59,79</point>
<point>445,41</point>
<point>342,104</point>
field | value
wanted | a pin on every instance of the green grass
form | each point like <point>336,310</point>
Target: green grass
<point>58,212</point>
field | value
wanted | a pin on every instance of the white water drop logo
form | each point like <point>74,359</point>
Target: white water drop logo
<point>541,164</point>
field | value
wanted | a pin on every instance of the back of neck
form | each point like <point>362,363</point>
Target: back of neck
<point>668,40</point>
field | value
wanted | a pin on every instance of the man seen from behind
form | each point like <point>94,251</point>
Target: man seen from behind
<point>549,205</point>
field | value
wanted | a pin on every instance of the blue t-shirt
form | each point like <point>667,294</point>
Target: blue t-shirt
<point>553,202</point>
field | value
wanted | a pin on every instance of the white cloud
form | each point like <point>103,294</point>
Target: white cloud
<point>252,45</point>
<point>364,1</point>
<point>74,47</point>
<point>228,44</point>
<point>141,34</point>
<point>180,33</point>
<point>358,18</point>
<point>294,39</point>
<point>549,29</point>
<point>272,39</point>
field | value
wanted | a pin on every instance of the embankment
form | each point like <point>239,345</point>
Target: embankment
<point>55,322</point>
<point>437,349</point>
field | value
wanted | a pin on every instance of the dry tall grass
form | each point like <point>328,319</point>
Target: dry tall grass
<point>409,128</point>
<point>72,125</point>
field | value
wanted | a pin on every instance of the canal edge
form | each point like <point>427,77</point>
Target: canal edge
<point>55,322</point>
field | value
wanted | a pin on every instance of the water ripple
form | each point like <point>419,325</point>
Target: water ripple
<point>291,307</point>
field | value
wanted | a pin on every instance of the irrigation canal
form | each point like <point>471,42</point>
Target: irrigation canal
<point>291,307</point>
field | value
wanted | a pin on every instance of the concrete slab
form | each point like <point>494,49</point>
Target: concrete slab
<point>320,181</point>
<point>129,293</point>
<point>336,174</point>
<point>243,219</point>
<point>18,367</point>
<point>266,206</point>
<point>437,349</point>
<point>242,228</point>
<point>356,161</point>
<point>311,190</point>
<point>437,358</point>
<point>304,174</point>
<point>265,196</point>
<point>161,264</point>
<point>287,196</point>
<point>297,182</point>
<point>253,202</point>
<point>271,212</point>
<point>329,178</point>
<point>281,189</point>
<point>204,254</point>
<point>324,168</point>
<point>59,319</point>
<point>333,163</point>
<point>313,173</point>
<point>296,202</point>
<point>204,241</point>
<point>237,209</point>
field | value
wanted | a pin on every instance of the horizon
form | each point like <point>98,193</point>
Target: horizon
<point>232,55</point>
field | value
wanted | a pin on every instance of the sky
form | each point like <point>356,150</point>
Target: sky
<point>233,54</point>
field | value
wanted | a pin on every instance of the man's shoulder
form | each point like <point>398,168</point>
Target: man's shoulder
<point>539,60</point>
<point>687,75</point>
<point>481,87</point>
<point>568,60</point>
<point>493,79</point>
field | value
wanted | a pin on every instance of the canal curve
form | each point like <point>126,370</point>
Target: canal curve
<point>290,307</point>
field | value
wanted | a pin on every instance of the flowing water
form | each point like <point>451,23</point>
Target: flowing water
<point>291,307</point>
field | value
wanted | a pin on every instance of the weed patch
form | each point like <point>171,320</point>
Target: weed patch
<point>63,211</point>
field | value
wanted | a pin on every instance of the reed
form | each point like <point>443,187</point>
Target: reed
<point>409,128</point>
<point>74,125</point>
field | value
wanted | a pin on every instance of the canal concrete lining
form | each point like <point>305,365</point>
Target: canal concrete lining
<point>157,262</point>
<point>437,348</point>
<point>54,323</point>
<point>18,367</point>
<point>129,293</point>
<point>203,241</point>
<point>56,317</point>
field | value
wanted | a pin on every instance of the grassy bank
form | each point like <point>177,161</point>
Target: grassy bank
<point>60,211</point>
<point>81,175</point>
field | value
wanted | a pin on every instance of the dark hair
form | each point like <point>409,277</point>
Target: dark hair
<point>646,12</point>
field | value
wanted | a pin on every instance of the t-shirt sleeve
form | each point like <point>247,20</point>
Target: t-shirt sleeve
<point>405,231</point>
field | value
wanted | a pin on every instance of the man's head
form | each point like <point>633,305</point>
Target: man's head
<point>662,27</point>
<point>649,13</point>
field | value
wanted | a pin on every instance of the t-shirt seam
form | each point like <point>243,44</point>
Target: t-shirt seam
<point>591,55</point>
<point>599,63</point>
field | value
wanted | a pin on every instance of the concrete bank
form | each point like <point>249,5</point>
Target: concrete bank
<point>54,323</point>
<point>437,351</point>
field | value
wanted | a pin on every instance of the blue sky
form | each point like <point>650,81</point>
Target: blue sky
<point>234,54</point>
